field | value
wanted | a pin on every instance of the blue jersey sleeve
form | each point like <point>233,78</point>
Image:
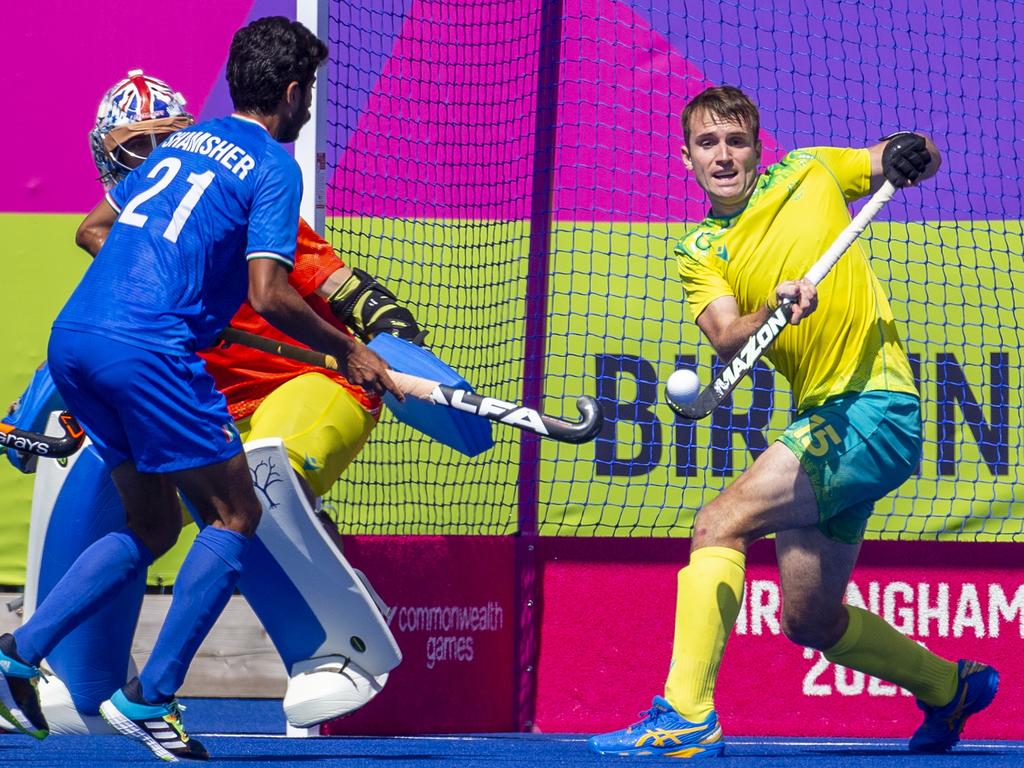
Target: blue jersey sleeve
<point>274,216</point>
<point>119,196</point>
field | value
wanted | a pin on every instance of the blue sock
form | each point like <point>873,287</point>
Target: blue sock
<point>204,584</point>
<point>100,572</point>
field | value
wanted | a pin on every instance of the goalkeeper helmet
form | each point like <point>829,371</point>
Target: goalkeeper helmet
<point>139,110</point>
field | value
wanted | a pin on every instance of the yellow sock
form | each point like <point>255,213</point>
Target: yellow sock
<point>872,646</point>
<point>707,604</point>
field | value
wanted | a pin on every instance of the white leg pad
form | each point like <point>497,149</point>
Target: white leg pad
<point>47,484</point>
<point>349,666</point>
<point>61,714</point>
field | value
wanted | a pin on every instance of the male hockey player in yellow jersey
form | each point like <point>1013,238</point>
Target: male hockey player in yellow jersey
<point>855,438</point>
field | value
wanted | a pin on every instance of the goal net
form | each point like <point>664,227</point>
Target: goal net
<point>512,171</point>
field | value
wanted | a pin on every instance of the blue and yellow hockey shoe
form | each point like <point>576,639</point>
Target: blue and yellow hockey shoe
<point>663,733</point>
<point>158,726</point>
<point>976,687</point>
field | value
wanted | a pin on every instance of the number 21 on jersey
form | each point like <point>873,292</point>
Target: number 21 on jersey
<point>169,167</point>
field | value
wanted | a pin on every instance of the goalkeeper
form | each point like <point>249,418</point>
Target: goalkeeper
<point>856,436</point>
<point>323,419</point>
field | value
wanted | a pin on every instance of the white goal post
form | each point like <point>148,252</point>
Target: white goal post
<point>311,146</point>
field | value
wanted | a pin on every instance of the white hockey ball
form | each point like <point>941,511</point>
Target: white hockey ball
<point>683,386</point>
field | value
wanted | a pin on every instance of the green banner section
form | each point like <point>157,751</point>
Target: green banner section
<point>622,326</point>
<point>464,281</point>
<point>41,267</point>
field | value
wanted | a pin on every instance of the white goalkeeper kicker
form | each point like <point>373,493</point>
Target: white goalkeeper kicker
<point>743,361</point>
<point>519,416</point>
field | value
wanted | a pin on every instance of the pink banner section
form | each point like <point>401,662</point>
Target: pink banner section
<point>607,627</point>
<point>66,55</point>
<point>454,621</point>
<point>447,133</point>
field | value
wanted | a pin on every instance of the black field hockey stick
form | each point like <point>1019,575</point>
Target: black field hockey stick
<point>490,408</point>
<point>39,444</point>
<point>743,361</point>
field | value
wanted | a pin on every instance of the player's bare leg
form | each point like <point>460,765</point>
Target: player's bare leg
<point>222,494</point>
<point>151,506</point>
<point>775,495</point>
<point>814,572</point>
<point>772,493</point>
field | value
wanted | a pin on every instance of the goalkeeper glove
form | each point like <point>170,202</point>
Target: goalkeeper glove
<point>369,309</point>
<point>905,158</point>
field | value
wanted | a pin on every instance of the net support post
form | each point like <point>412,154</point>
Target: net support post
<point>311,146</point>
<point>528,587</point>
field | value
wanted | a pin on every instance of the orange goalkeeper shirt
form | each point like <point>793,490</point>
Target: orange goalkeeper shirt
<point>245,375</point>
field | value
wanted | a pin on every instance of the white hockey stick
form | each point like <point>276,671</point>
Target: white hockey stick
<point>490,408</point>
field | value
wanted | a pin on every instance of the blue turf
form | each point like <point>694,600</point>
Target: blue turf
<point>481,751</point>
<point>260,723</point>
<point>234,716</point>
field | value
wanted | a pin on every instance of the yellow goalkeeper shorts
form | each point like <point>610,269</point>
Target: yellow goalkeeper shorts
<point>322,425</point>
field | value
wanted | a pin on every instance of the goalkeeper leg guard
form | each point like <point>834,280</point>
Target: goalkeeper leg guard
<point>332,636</point>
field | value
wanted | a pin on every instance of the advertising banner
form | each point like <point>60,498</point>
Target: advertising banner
<point>617,600</point>
<point>454,620</point>
<point>648,473</point>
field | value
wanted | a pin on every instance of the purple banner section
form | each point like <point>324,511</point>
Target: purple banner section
<point>836,72</point>
<point>443,125</point>
<point>219,101</point>
<point>65,55</point>
<point>357,60</point>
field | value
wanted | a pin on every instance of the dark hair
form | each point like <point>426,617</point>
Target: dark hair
<point>726,102</point>
<point>265,57</point>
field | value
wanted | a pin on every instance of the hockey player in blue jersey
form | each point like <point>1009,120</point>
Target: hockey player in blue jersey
<point>207,220</point>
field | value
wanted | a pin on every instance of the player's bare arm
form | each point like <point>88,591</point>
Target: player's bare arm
<point>272,296</point>
<point>728,330</point>
<point>95,227</point>
<point>334,281</point>
<point>909,154</point>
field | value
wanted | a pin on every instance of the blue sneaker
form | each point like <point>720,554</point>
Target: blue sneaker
<point>663,733</point>
<point>19,699</point>
<point>158,726</point>
<point>942,726</point>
